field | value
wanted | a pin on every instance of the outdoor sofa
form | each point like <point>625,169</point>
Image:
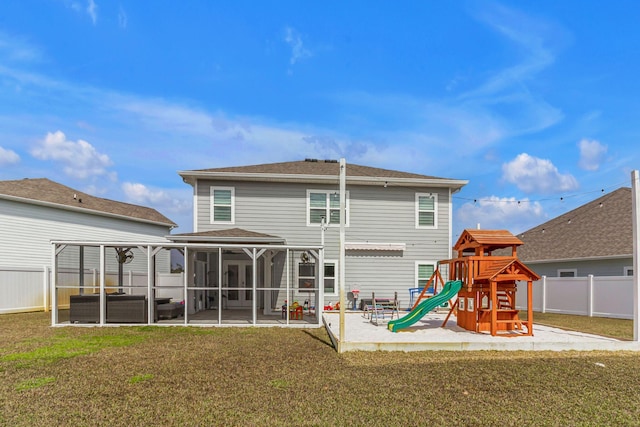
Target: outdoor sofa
<point>121,308</point>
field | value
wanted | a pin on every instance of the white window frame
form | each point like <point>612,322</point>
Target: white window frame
<point>327,193</point>
<point>568,270</point>
<point>626,271</point>
<point>212,205</point>
<point>335,277</point>
<point>435,210</point>
<point>434,264</point>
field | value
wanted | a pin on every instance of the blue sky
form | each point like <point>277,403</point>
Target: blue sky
<point>535,103</point>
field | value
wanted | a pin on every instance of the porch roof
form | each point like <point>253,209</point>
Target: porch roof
<point>229,235</point>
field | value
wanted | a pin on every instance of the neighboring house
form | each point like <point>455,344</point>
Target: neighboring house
<point>33,212</point>
<point>593,239</point>
<point>398,226</point>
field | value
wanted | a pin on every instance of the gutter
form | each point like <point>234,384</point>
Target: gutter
<point>189,177</point>
<point>593,258</point>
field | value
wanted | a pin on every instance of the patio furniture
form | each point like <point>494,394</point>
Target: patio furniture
<point>380,309</point>
<point>295,313</point>
<point>169,310</point>
<point>84,308</point>
<point>126,309</point>
<point>120,308</point>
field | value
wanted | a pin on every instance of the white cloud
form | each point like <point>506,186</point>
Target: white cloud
<point>176,202</point>
<point>532,174</point>
<point>294,40</point>
<point>507,89</point>
<point>92,10</point>
<point>592,154</point>
<point>140,193</point>
<point>122,18</point>
<point>499,213</point>
<point>537,39</point>
<point>80,159</point>
<point>8,157</point>
<point>16,49</point>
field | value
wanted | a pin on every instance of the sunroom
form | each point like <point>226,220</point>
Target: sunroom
<point>188,283</point>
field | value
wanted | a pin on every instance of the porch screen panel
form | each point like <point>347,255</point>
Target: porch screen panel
<point>306,276</point>
<point>248,274</point>
<point>232,282</point>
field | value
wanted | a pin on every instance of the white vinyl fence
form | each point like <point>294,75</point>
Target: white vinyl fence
<point>603,296</point>
<point>23,289</point>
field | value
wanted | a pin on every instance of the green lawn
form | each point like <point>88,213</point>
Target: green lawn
<point>615,328</point>
<point>272,376</point>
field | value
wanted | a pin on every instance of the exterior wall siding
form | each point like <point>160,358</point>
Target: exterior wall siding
<point>608,267</point>
<point>376,214</point>
<point>27,231</point>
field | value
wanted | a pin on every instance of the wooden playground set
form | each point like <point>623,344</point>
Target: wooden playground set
<point>486,301</point>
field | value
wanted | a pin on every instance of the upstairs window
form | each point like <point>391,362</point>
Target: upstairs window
<point>222,205</point>
<point>426,210</point>
<point>325,204</point>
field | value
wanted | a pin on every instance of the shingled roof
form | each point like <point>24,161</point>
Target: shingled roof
<point>45,191</point>
<point>490,240</point>
<point>313,170</point>
<point>599,229</point>
<point>233,235</point>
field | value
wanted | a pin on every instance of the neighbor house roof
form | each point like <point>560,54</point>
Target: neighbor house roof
<point>319,171</point>
<point>599,229</point>
<point>42,191</point>
<point>230,235</point>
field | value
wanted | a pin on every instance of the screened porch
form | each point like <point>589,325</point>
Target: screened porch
<point>126,283</point>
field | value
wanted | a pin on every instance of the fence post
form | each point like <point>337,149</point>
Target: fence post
<point>45,284</point>
<point>544,294</point>
<point>590,295</point>
<point>635,215</point>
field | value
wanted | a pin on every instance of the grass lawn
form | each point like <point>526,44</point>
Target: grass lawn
<point>272,376</point>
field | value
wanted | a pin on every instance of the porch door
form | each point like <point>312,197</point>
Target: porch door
<point>238,275</point>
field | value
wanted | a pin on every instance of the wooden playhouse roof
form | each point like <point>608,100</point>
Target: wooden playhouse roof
<point>487,239</point>
<point>506,269</point>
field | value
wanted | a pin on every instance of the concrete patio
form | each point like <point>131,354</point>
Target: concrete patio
<point>427,334</point>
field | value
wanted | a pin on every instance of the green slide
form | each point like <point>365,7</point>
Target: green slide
<point>449,291</point>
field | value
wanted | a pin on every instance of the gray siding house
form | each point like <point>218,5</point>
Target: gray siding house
<point>398,224</point>
<point>593,239</point>
<point>33,212</point>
